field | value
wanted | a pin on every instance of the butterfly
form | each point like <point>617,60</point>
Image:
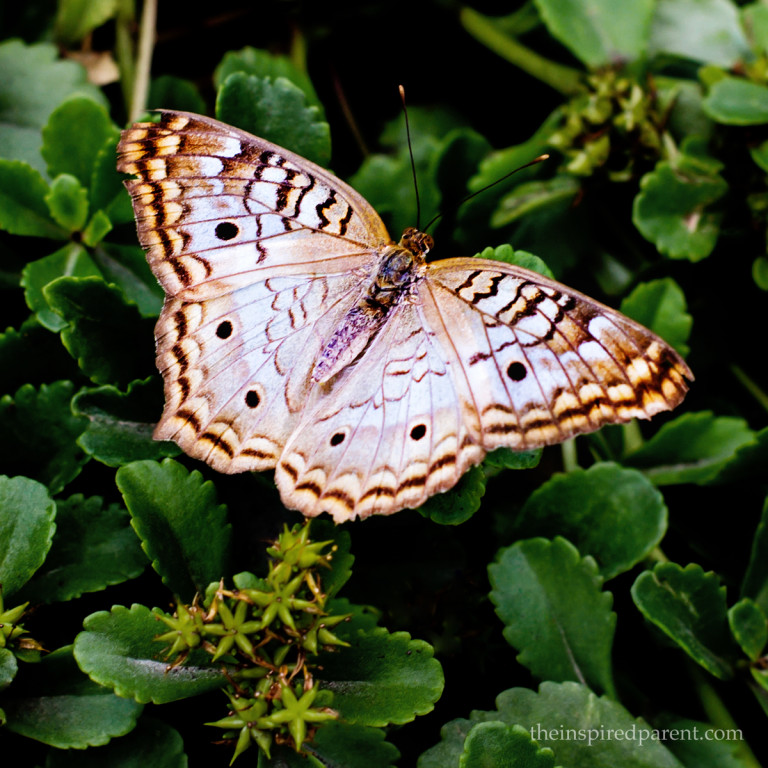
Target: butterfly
<point>296,335</point>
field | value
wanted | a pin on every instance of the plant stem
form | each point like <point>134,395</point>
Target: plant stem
<point>143,60</point>
<point>124,50</point>
<point>750,386</point>
<point>568,450</point>
<point>720,717</point>
<point>565,80</point>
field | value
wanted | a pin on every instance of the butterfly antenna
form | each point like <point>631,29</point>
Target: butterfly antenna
<point>461,202</point>
<point>410,152</point>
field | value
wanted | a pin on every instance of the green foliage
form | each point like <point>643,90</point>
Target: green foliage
<point>654,198</point>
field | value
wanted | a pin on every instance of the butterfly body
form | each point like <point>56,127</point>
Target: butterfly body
<point>297,336</point>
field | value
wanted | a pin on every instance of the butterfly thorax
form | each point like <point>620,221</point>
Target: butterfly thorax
<point>397,269</point>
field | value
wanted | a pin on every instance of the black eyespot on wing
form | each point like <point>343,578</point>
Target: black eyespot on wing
<point>252,398</point>
<point>226,230</point>
<point>516,371</point>
<point>418,432</point>
<point>224,330</point>
<point>337,439</point>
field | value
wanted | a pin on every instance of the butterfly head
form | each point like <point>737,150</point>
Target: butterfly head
<point>417,242</point>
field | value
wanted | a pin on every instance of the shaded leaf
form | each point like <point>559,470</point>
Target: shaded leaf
<point>688,605</point>
<point>351,746</point>
<point>599,32</point>
<point>672,210</point>
<point>35,81</point>
<point>457,505</point>
<point>68,202</point>
<point>382,678</point>
<point>735,101</point>
<point>27,515</point>
<point>755,584</point>
<point>72,260</point>
<point>690,449</point>
<point>496,745</point>
<point>102,329</point>
<point>39,432</point>
<point>151,744</point>
<point>162,498</point>
<point>73,137</point>
<point>275,110</point>
<point>749,626</point>
<point>94,547</point>
<point>253,61</point>
<point>554,611</point>
<point>23,208</point>
<point>56,704</point>
<point>118,649</point>
<point>708,31</point>
<point>660,305</point>
<point>121,424</point>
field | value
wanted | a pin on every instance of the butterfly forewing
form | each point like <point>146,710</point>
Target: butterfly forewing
<point>296,335</point>
<point>260,253</point>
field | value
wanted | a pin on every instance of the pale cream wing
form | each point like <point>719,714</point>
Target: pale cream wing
<point>261,253</point>
<point>386,433</point>
<point>535,362</point>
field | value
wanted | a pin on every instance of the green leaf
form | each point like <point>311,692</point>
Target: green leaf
<point>8,669</point>
<point>94,547</point>
<point>459,504</point>
<point>106,187</point>
<point>532,196</point>
<point>97,228</point>
<point>27,515</point>
<point>749,626</point>
<point>755,584</point>
<point>35,81</point>
<point>72,260</point>
<point>162,499</point>
<point>754,17</point>
<point>523,259</point>
<point>701,745</point>
<point>660,305</point>
<point>275,110</point>
<point>611,513</point>
<point>76,19</point>
<point>690,449</point>
<point>118,649</point>
<point>104,331</point>
<point>558,707</point>
<point>151,744</point>
<point>74,136</point>
<point>382,678</point>
<point>39,433</point>
<point>68,202</point>
<point>121,424</point>
<point>688,605</point>
<point>23,209</point>
<point>252,61</point>
<point>505,458</point>
<point>126,266</point>
<point>599,32</point>
<point>708,31</point>
<point>554,611</point>
<point>32,355</point>
<point>171,92</point>
<point>496,745</point>
<point>351,746</point>
<point>672,211</point>
<point>760,272</point>
<point>56,704</point>
<point>579,727</point>
<point>735,101</point>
